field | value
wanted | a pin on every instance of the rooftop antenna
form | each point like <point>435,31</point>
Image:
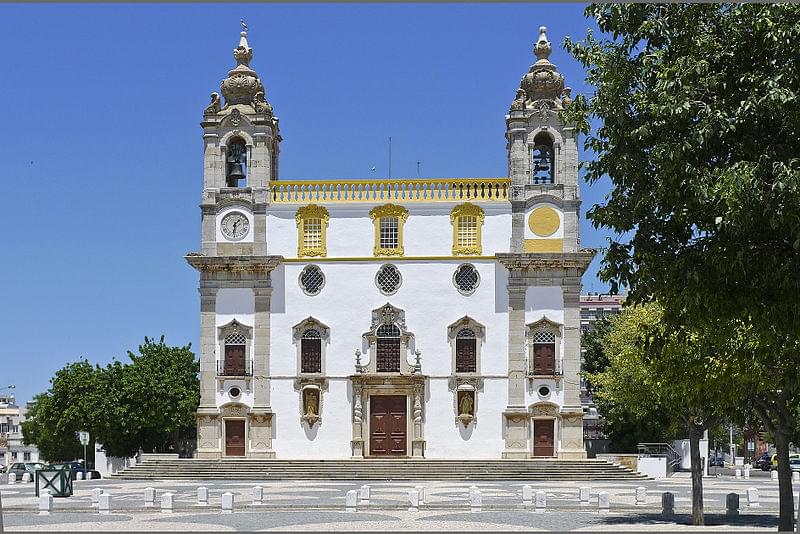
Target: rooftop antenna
<point>390,156</point>
<point>418,170</point>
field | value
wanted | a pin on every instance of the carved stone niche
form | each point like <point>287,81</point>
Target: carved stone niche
<point>465,398</point>
<point>310,398</point>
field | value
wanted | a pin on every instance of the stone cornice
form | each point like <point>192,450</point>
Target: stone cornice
<point>547,261</point>
<point>242,264</point>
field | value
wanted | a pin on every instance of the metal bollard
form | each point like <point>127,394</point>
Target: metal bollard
<point>667,504</point>
<point>732,504</point>
<point>583,495</point>
<point>227,503</point>
<point>475,500</point>
<point>12,479</point>
<point>351,501</point>
<point>258,496</point>
<point>104,504</point>
<point>149,497</point>
<point>413,500</point>
<point>96,493</point>
<point>752,498</point>
<point>641,496</point>
<point>202,496</point>
<point>364,494</point>
<point>738,473</point>
<point>166,503</point>
<point>603,502</point>
<point>45,503</point>
<point>527,495</point>
<point>541,502</point>
<point>421,491</point>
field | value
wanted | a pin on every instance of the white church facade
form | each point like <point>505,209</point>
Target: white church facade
<point>434,318</point>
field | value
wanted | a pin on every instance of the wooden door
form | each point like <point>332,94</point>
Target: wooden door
<point>234,360</point>
<point>543,437</point>
<point>234,437</point>
<point>544,359</point>
<point>387,425</point>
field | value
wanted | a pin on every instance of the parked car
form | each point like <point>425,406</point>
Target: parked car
<point>717,461</point>
<point>764,462</point>
<point>77,467</point>
<point>21,468</point>
<point>794,462</point>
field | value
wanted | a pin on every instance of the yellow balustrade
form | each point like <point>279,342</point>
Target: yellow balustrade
<point>396,191</point>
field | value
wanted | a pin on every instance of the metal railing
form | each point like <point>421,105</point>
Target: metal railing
<point>674,458</point>
<point>558,370</point>
<point>387,190</point>
<point>222,370</point>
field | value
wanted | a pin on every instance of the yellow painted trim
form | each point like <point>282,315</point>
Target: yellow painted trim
<point>312,211</point>
<point>386,190</point>
<point>469,210</point>
<point>404,258</point>
<point>544,245</point>
<point>544,221</point>
<point>388,210</point>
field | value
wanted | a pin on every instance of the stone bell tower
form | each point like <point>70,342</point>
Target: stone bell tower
<point>241,141</point>
<point>545,252</point>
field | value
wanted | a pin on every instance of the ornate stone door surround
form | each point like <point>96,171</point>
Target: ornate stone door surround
<point>363,386</point>
<point>545,411</point>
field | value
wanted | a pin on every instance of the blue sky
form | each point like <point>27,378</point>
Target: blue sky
<point>102,149</point>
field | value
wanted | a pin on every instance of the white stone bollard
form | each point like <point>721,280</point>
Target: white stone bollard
<point>104,503</point>
<point>752,498</point>
<point>351,501</point>
<point>541,502</point>
<point>96,492</point>
<point>258,496</point>
<point>747,473</point>
<point>227,503</point>
<point>202,496</point>
<point>738,473</point>
<point>475,500</point>
<point>26,477</point>
<point>732,504</point>
<point>641,496</point>
<point>79,475</point>
<point>149,497</point>
<point>421,492</point>
<point>773,475</point>
<point>12,479</point>
<point>583,495</point>
<point>667,504</point>
<point>796,476</point>
<point>363,494</point>
<point>45,503</point>
<point>413,500</point>
<point>603,502</point>
<point>527,495</point>
<point>166,503</point>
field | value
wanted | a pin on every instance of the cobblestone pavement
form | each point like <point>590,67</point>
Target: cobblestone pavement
<point>309,505</point>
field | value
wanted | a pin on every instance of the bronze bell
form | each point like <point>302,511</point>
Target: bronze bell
<point>235,173</point>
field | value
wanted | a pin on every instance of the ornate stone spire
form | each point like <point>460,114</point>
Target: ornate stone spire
<point>542,81</point>
<point>242,86</point>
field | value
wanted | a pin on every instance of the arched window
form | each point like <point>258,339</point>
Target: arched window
<point>388,349</point>
<point>311,351</point>
<point>235,355</point>
<point>466,351</point>
<point>542,164</point>
<point>236,162</point>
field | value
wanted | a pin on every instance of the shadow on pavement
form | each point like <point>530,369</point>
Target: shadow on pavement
<point>753,520</point>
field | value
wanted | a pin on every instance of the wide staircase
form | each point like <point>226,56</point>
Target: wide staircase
<point>161,467</point>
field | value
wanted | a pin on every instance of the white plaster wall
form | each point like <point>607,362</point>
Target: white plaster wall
<point>223,389</point>
<point>351,232</point>
<point>239,304</point>
<point>246,239</point>
<point>556,395</point>
<point>558,234</point>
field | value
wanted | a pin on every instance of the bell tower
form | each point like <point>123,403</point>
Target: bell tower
<point>241,141</point>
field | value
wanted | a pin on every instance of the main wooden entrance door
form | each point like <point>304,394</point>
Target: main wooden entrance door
<point>387,425</point>
<point>543,437</point>
<point>234,437</point>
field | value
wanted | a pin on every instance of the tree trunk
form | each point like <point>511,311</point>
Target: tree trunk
<point>786,516</point>
<point>695,432</point>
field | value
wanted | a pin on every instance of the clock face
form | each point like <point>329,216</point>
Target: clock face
<point>235,226</point>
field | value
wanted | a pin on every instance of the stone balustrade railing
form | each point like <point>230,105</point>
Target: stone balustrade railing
<point>394,191</point>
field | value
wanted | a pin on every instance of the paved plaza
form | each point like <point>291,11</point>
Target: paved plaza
<point>320,505</point>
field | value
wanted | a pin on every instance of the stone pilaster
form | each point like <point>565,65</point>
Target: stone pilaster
<point>259,230</point>
<point>261,412</point>
<point>571,412</point>
<point>209,444</point>
<point>515,415</point>
<point>208,343</point>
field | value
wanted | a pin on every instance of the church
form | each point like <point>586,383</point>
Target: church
<point>384,318</point>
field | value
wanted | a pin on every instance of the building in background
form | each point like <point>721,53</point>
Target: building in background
<point>11,447</point>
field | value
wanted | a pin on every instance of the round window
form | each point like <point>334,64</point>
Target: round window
<point>388,279</point>
<point>234,392</point>
<point>544,391</point>
<point>312,280</point>
<point>466,279</point>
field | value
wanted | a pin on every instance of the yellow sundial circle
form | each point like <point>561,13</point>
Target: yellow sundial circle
<point>544,221</point>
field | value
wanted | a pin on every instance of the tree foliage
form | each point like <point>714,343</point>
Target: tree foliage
<point>149,403</point>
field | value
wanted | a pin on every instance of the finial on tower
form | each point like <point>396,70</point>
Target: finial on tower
<point>543,46</point>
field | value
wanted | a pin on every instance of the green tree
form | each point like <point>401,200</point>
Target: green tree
<point>700,135</point>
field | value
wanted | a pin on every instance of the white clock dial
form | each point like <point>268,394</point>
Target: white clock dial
<point>235,226</point>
